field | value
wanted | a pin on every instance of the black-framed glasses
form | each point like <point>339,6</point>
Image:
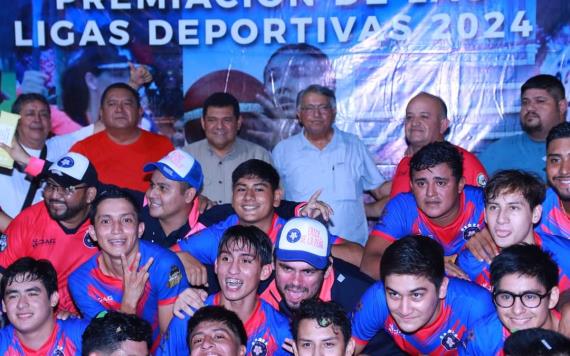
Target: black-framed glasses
<point>49,187</point>
<point>506,299</point>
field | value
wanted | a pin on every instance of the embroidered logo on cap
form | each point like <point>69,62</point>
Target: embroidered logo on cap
<point>66,162</point>
<point>293,235</point>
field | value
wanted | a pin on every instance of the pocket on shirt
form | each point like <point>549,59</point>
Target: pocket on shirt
<point>344,184</point>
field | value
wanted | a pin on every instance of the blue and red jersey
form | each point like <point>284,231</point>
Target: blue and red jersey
<point>402,217</point>
<point>486,337</point>
<point>554,219</point>
<point>266,331</point>
<point>64,340</point>
<point>94,291</point>
<point>558,247</point>
<point>464,304</point>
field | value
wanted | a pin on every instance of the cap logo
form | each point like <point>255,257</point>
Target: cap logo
<point>66,162</point>
<point>293,235</point>
<point>168,170</point>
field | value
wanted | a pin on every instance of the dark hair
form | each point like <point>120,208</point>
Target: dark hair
<point>248,237</point>
<point>26,98</point>
<point>516,181</point>
<point>325,314</point>
<point>109,329</point>
<point>547,82</point>
<point>536,341</point>
<point>414,255</point>
<point>436,153</point>
<point>317,89</point>
<point>526,260</point>
<point>218,313</point>
<point>220,100</point>
<point>113,192</point>
<point>259,169</point>
<point>437,99</point>
<point>120,85</point>
<point>27,269</point>
<point>561,130</point>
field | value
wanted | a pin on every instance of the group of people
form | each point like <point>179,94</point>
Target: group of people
<point>126,244</point>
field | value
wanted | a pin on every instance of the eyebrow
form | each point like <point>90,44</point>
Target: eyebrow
<point>31,289</point>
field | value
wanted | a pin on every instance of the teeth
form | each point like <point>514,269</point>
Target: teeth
<point>232,282</point>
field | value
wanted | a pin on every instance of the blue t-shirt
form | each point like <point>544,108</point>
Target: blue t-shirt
<point>554,220</point>
<point>486,337</point>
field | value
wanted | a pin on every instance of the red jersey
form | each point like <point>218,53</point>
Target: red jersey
<point>35,234</point>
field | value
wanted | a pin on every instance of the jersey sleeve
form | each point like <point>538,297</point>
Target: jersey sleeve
<point>170,278</point>
<point>173,342</point>
<point>203,246</point>
<point>79,286</point>
<point>370,314</point>
<point>393,224</point>
<point>475,269</point>
<point>485,338</point>
<point>12,244</point>
<point>474,172</point>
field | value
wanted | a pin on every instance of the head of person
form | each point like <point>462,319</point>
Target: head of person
<point>426,120</point>
<point>538,342</point>
<point>543,105</point>
<point>525,287</point>
<point>221,120</point>
<point>513,201</point>
<point>322,328</point>
<point>115,333</point>
<point>302,260</point>
<point>70,187</point>
<point>214,330</point>
<point>293,68</point>
<point>115,223</point>
<point>255,191</point>
<point>120,108</point>
<point>175,182</point>
<point>558,160</point>
<point>436,178</point>
<point>29,295</point>
<point>316,110</point>
<point>244,260</point>
<point>35,120</point>
<point>412,270</point>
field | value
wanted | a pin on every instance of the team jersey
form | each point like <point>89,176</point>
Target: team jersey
<point>554,219</point>
<point>464,304</point>
<point>64,340</point>
<point>33,233</point>
<point>94,291</point>
<point>266,331</point>
<point>559,249</point>
<point>402,217</point>
<point>486,337</point>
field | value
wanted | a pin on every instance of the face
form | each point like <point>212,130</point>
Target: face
<point>437,193</point>
<point>424,122</point>
<point>216,339</point>
<point>316,114</point>
<point>540,111</point>
<point>168,198</point>
<point>116,228</point>
<point>239,272</point>
<point>558,167</point>
<point>221,126</point>
<point>28,306</point>
<point>297,281</point>
<point>65,203</point>
<point>131,348</point>
<point>34,124</point>
<point>315,340</point>
<point>510,219</point>
<point>120,110</point>
<point>254,201</point>
<point>413,301</point>
<point>518,316</point>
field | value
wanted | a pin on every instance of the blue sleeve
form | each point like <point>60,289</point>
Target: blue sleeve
<point>174,342</point>
<point>470,265</point>
<point>370,314</point>
<point>169,277</point>
<point>74,328</point>
<point>395,221</point>
<point>78,284</point>
<point>203,246</point>
<point>485,338</point>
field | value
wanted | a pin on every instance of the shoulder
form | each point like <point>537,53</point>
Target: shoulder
<point>288,142</point>
<point>82,272</point>
<point>473,193</point>
<point>157,138</point>
<point>462,293</point>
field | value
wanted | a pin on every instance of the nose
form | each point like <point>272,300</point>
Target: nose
<point>249,194</point>
<point>565,166</point>
<point>207,343</point>
<point>502,216</point>
<point>116,227</point>
<point>518,307</point>
<point>430,190</point>
<point>234,266</point>
<point>22,302</point>
<point>404,307</point>
<point>152,192</point>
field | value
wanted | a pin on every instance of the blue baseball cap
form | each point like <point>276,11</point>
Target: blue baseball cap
<point>180,166</point>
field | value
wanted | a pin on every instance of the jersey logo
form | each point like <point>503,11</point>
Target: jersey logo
<point>174,277</point>
<point>469,230</point>
<point>58,351</point>
<point>3,242</point>
<point>481,180</point>
<point>293,235</point>
<point>88,241</point>
<point>449,340</point>
<point>66,162</point>
<point>259,347</point>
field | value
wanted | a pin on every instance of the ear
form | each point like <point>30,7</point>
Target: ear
<point>461,185</point>
<point>241,350</point>
<point>563,107</point>
<point>277,196</point>
<point>554,297</point>
<point>203,123</point>
<point>266,271</point>
<point>329,269</point>
<point>443,288</point>
<point>91,194</point>
<point>3,307</point>
<point>239,122</point>
<point>350,347</point>
<point>536,214</point>
<point>91,81</point>
<point>140,229</point>
<point>216,266</point>
<point>443,125</point>
<point>189,195</point>
<point>54,299</point>
<point>91,231</point>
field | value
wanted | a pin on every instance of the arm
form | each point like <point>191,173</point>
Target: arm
<point>482,246</point>
<point>165,313</point>
<point>348,251</point>
<point>4,221</point>
<point>373,251</point>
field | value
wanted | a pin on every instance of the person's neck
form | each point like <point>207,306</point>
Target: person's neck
<point>243,307</point>
<point>222,152</point>
<point>320,141</point>
<point>565,206</point>
<point>450,217</point>
<point>124,136</point>
<point>98,126</point>
<point>264,225</point>
<point>175,222</point>
<point>31,143</point>
<point>112,266</point>
<point>538,136</point>
<point>76,220</point>
<point>552,322</point>
<point>36,339</point>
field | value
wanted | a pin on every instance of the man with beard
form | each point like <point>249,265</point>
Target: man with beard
<point>543,106</point>
<point>56,229</point>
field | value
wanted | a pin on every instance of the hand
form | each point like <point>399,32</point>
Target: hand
<point>34,82</point>
<point>134,281</point>
<point>315,208</point>
<point>17,152</point>
<point>189,301</point>
<point>289,346</point>
<point>139,76</point>
<point>205,203</point>
<point>196,272</point>
<point>64,315</point>
<point>482,246</point>
<point>453,270</point>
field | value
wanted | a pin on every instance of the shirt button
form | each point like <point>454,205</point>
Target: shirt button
<point>219,202</point>
<point>220,181</point>
<point>220,163</point>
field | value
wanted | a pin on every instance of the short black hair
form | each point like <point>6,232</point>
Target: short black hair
<point>509,181</point>
<point>109,329</point>
<point>220,314</point>
<point>561,130</point>
<point>120,85</point>
<point>547,82</point>
<point>414,255</point>
<point>26,98</point>
<point>317,89</point>
<point>436,153</point>
<point>220,100</point>
<point>526,260</point>
<point>27,269</point>
<point>248,236</point>
<point>325,313</point>
<point>258,169</point>
<point>113,192</point>
<point>538,342</point>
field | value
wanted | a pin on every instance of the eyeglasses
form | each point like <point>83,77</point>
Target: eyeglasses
<point>528,299</point>
<point>66,191</point>
<point>322,109</point>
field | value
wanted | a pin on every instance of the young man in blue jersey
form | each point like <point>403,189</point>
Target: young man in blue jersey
<point>424,311</point>
<point>244,260</point>
<point>29,296</point>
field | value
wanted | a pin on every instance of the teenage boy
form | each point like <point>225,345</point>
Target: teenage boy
<point>424,311</point>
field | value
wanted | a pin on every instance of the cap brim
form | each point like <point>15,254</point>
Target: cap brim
<point>303,256</point>
<point>149,167</point>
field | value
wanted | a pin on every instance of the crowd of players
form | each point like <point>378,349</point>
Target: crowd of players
<point>126,254</point>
